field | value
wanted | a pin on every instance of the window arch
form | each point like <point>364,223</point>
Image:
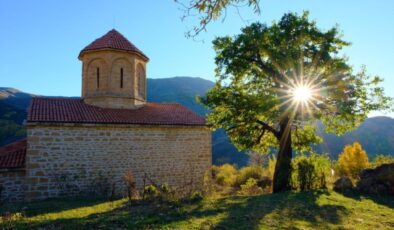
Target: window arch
<point>121,77</point>
<point>97,73</point>
<point>141,80</point>
<point>98,77</point>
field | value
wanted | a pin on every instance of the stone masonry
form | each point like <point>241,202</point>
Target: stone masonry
<point>12,185</point>
<point>72,159</point>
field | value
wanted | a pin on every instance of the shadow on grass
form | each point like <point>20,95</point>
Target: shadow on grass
<point>283,210</point>
<point>385,200</point>
<point>51,205</point>
<point>238,212</point>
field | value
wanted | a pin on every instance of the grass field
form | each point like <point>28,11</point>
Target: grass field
<point>304,210</point>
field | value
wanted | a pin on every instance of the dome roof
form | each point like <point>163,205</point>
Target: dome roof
<point>113,40</point>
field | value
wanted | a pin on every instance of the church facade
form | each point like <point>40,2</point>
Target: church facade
<point>88,145</point>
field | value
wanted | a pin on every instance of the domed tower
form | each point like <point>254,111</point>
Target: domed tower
<point>113,73</point>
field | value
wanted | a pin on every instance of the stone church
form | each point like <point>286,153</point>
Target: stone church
<point>80,145</point>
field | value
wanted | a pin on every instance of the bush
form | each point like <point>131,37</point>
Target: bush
<point>255,172</point>
<point>196,196</point>
<point>382,159</point>
<point>352,160</point>
<point>271,166</point>
<point>226,175</point>
<point>250,187</point>
<point>151,193</point>
<point>215,170</point>
<point>166,193</point>
<point>311,172</point>
<point>131,185</point>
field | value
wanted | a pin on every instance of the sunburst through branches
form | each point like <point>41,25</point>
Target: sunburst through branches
<point>300,97</point>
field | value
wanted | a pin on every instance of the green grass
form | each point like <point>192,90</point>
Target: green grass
<point>304,210</point>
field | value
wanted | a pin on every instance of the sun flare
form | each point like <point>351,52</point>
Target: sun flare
<point>302,93</point>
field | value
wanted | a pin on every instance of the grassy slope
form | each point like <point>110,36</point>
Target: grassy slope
<point>306,210</point>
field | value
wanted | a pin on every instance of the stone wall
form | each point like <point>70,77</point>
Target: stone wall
<point>76,158</point>
<point>12,185</point>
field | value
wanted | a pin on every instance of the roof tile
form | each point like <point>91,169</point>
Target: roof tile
<point>13,155</point>
<point>113,40</point>
<point>65,110</point>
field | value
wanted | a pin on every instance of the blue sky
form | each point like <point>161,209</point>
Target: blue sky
<point>40,40</point>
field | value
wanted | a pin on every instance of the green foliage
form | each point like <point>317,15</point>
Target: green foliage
<point>254,68</point>
<point>257,72</point>
<point>226,175</point>
<point>196,196</point>
<point>271,166</point>
<point>256,172</point>
<point>11,123</point>
<point>208,10</point>
<point>310,172</point>
<point>11,130</point>
<point>250,187</point>
<point>352,160</point>
<point>228,180</point>
<point>382,159</point>
<point>151,193</point>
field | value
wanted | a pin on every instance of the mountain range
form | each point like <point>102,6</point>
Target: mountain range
<point>376,134</point>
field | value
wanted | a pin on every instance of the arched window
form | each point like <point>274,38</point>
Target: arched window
<point>98,77</point>
<point>121,77</point>
<point>141,80</point>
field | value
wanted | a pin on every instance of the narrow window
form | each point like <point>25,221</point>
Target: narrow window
<point>98,77</point>
<point>121,77</point>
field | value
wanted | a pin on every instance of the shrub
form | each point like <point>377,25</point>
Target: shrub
<point>215,170</point>
<point>196,196</point>
<point>310,172</point>
<point>352,160</point>
<point>226,175</point>
<point>382,159</point>
<point>131,185</point>
<point>166,193</point>
<point>250,187</point>
<point>255,172</point>
<point>271,166</point>
<point>151,193</point>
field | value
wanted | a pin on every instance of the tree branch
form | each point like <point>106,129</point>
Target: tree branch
<point>261,136</point>
<point>269,128</point>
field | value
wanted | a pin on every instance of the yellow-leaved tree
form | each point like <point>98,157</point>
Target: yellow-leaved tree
<point>352,160</point>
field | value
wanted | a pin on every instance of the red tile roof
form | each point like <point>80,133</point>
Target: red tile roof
<point>64,110</point>
<point>113,40</point>
<point>13,155</point>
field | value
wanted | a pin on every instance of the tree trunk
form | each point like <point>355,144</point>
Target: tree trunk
<point>282,173</point>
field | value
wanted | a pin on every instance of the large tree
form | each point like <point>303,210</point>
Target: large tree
<point>274,82</point>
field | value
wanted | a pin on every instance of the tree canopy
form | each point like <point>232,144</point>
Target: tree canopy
<point>262,73</point>
<point>257,70</point>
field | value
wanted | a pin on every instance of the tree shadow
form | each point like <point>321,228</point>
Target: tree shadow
<point>239,212</point>
<point>293,206</point>
<point>51,205</point>
<point>385,200</point>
